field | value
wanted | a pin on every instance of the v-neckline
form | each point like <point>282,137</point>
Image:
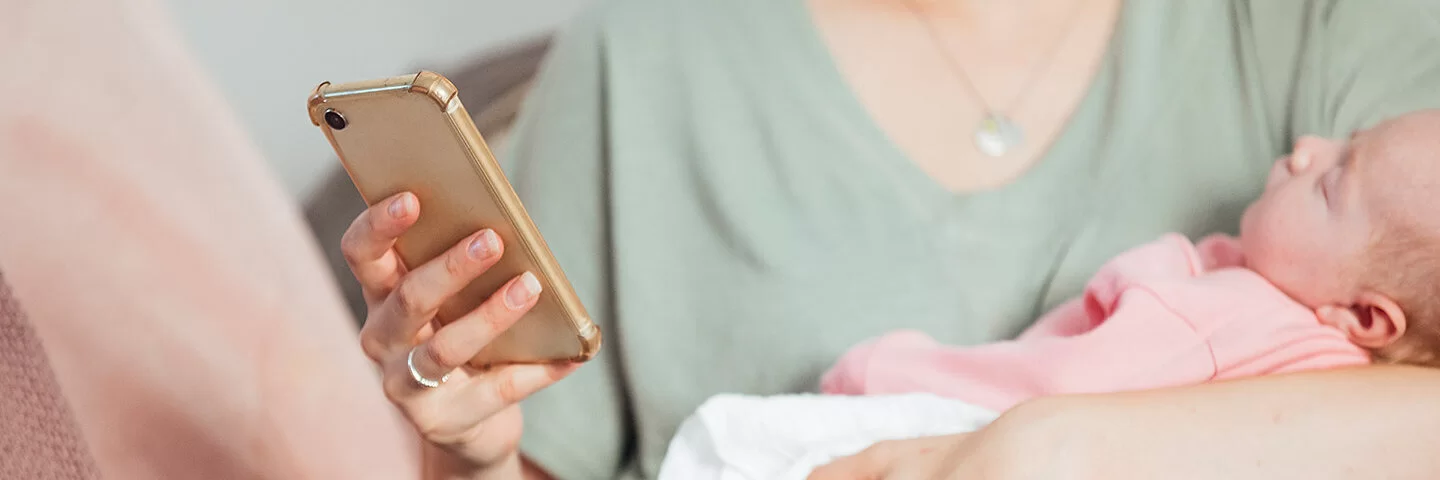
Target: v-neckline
<point>893,159</point>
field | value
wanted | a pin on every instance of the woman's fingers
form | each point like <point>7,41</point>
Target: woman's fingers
<point>420,294</point>
<point>870,464</point>
<point>890,460</point>
<point>367,244</point>
<point>456,406</point>
<point>458,342</point>
<point>509,385</point>
<point>452,412</point>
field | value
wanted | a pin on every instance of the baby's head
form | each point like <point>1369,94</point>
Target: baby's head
<point>1352,229</point>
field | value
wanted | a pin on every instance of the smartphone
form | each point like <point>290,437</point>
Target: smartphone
<point>411,133</point>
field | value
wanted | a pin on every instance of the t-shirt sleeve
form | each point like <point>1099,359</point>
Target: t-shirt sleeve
<point>579,427</point>
<point>1334,66</point>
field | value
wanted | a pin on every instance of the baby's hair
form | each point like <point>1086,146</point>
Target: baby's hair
<point>1406,263</point>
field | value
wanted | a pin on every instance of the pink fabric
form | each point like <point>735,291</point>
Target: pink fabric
<point>185,311</point>
<point>1164,314</point>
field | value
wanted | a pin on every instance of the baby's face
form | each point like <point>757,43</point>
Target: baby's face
<point>1324,204</point>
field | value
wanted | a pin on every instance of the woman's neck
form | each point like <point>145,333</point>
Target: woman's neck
<point>993,15</point>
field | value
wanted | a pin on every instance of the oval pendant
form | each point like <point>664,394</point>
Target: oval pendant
<point>997,135</point>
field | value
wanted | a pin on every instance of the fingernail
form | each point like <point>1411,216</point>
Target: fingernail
<point>485,245</point>
<point>401,206</point>
<point>522,292</point>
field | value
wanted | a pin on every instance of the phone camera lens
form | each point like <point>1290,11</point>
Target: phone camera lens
<point>335,120</point>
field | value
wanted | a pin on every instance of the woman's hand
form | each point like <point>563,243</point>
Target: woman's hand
<point>918,459</point>
<point>1026,443</point>
<point>472,416</point>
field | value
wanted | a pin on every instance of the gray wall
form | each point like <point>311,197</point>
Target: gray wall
<point>267,55</point>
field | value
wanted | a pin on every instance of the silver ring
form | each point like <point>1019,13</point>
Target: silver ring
<point>415,373</point>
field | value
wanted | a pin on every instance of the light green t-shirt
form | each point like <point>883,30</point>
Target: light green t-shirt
<point>735,221</point>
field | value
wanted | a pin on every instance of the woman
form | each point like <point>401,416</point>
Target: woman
<point>742,189</point>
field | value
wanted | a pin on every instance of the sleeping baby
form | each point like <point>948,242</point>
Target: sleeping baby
<point>1337,264</point>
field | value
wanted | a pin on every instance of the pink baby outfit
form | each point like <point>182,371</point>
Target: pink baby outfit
<point>1164,314</point>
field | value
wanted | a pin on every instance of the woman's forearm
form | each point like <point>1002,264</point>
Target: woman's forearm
<point>1361,423</point>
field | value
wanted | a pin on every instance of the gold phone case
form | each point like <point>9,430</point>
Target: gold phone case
<point>410,133</point>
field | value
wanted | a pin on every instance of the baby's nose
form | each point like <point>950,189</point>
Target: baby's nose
<point>1299,161</point>
<point>1311,150</point>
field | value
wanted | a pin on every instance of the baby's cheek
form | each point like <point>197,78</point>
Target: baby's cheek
<point>1300,267</point>
<point>1275,251</point>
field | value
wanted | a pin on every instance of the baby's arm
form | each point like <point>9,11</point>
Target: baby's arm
<point>1069,319</point>
<point>1138,344</point>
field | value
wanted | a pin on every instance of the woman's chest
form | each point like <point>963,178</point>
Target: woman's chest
<point>768,223</point>
<point>972,101</point>
<point>770,258</point>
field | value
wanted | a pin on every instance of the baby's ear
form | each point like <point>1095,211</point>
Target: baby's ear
<point>1374,321</point>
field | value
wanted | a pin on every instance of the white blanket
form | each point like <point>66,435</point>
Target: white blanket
<point>734,437</point>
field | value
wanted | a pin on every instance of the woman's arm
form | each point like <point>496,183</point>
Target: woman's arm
<point>1359,423</point>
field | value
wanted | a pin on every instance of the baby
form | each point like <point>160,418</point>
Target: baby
<point>1337,264</point>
